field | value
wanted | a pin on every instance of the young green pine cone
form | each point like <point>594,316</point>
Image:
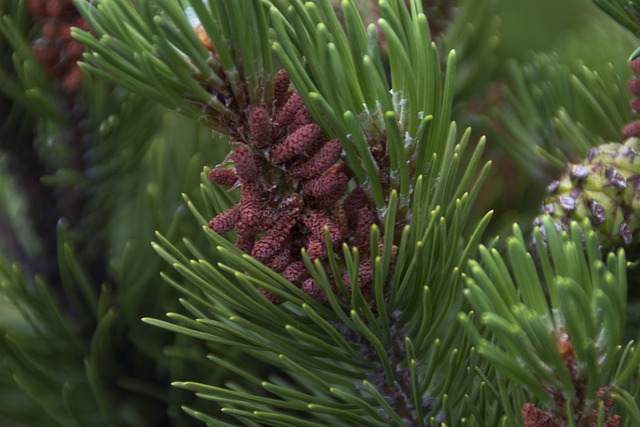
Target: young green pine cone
<point>605,188</point>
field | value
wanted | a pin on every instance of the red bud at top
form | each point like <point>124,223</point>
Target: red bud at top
<point>303,140</point>
<point>223,176</point>
<point>247,163</point>
<point>316,223</point>
<point>36,7</point>
<point>280,88</point>
<point>260,127</point>
<point>289,110</point>
<point>535,417</point>
<point>634,86</point>
<point>635,65</point>
<point>632,129</point>
<point>272,242</point>
<point>296,272</point>
<point>333,182</point>
<point>72,81</point>
<point>352,204</point>
<point>250,210</point>
<point>327,156</point>
<point>363,231</point>
<point>225,221</point>
<point>310,288</point>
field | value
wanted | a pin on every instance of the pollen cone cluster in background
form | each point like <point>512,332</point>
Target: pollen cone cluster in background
<point>604,188</point>
<point>55,50</point>
<point>587,413</point>
<point>293,186</point>
<point>439,13</point>
<point>633,128</point>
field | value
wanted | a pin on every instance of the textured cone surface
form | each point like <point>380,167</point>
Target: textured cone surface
<point>605,189</point>
<point>293,186</point>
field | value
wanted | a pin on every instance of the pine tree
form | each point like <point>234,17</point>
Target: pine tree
<point>283,213</point>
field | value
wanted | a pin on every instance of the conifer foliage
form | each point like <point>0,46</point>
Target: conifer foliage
<point>332,265</point>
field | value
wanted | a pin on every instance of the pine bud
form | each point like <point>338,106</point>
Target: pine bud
<point>287,113</point>
<point>327,202</point>
<point>316,223</point>
<point>50,30</point>
<point>365,275</point>
<point>57,8</point>
<point>302,117</point>
<point>247,163</point>
<point>260,127</point>
<point>352,204</point>
<point>302,141</point>
<point>635,65</point>
<point>291,205</point>
<point>535,417</point>
<point>634,86</point>
<point>631,129</point>
<point>316,248</point>
<point>74,48</point>
<point>245,242</point>
<point>46,53</point>
<point>269,218</point>
<point>611,421</point>
<point>281,260</point>
<point>223,176</point>
<point>72,80</point>
<point>320,162</point>
<point>363,231</point>
<point>250,210</point>
<point>36,7</point>
<point>273,241</point>
<point>341,219</point>
<point>271,297</point>
<point>56,51</point>
<point>80,23</point>
<point>225,221</point>
<point>332,182</point>
<point>296,272</point>
<point>280,89</point>
<point>310,288</point>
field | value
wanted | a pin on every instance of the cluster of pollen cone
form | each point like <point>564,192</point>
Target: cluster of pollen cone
<point>55,50</point>
<point>605,187</point>
<point>588,414</point>
<point>293,188</point>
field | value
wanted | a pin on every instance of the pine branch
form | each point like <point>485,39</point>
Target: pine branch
<point>627,13</point>
<point>393,372</point>
<point>475,36</point>
<point>556,330</point>
<point>123,373</point>
<point>197,61</point>
<point>326,286</point>
<point>555,113</point>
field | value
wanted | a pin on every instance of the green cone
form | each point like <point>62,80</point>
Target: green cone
<point>605,189</point>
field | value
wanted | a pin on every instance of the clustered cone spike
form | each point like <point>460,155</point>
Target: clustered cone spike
<point>605,187</point>
<point>57,53</point>
<point>293,187</point>
<point>587,414</point>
